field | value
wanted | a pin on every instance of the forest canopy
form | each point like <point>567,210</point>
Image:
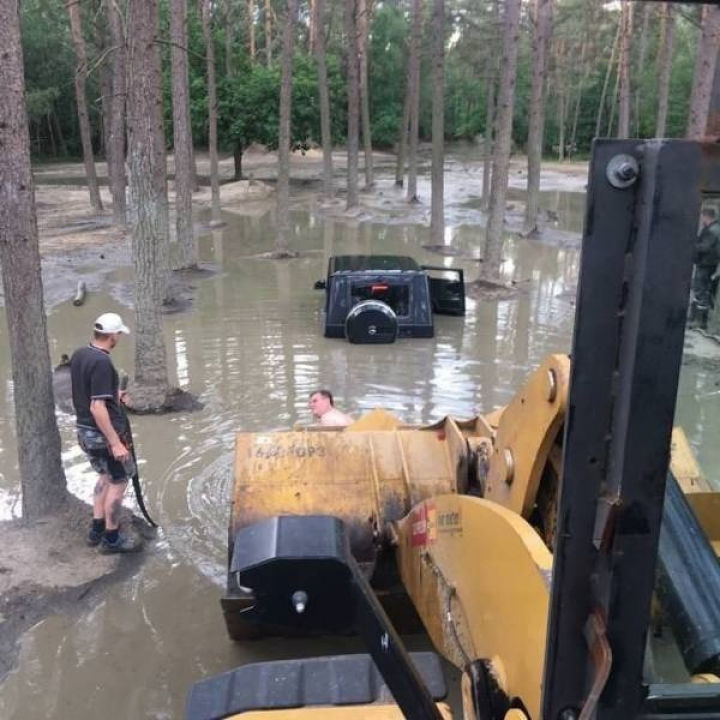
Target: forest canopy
<point>581,95</point>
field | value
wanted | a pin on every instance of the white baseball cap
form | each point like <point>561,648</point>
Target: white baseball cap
<point>109,323</point>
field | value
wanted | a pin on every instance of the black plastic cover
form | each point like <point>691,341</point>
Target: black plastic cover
<point>334,680</point>
<point>282,555</point>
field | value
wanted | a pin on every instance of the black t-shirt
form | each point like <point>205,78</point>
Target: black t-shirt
<point>94,378</point>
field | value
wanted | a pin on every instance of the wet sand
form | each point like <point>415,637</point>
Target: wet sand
<point>251,348</point>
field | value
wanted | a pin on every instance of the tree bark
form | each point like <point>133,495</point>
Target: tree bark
<point>187,256</point>
<point>561,94</point>
<point>581,86</point>
<point>501,155</point>
<point>712,128</point>
<point>80,79</point>
<point>606,83</point>
<point>625,51</point>
<point>312,26</point>
<point>414,90</point>
<point>705,61</point>
<point>282,237</point>
<point>228,38</point>
<point>364,12</point>
<point>105,73</point>
<point>642,53</point>
<point>488,136</point>
<point>542,29</point>
<point>325,126</point>
<point>353,91</point>
<point>437,203</point>
<point>403,139</point>
<point>212,110</point>
<point>664,63</point>
<point>613,102</point>
<point>51,135</point>
<point>251,28</point>
<point>268,33</point>
<point>237,161</point>
<point>60,136</point>
<point>41,473</point>
<point>116,140</point>
<point>148,197</point>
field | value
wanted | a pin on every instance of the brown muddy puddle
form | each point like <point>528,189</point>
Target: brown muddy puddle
<point>251,348</point>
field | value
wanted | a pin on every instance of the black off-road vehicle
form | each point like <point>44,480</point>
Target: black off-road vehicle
<point>378,298</point>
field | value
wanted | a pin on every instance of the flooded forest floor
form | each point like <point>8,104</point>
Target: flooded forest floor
<point>47,567</point>
<point>245,309</point>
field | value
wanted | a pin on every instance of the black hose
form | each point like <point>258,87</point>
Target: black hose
<point>136,476</point>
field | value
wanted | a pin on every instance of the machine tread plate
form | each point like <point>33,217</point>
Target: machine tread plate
<point>332,680</point>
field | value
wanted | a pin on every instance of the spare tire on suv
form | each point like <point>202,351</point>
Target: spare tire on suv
<point>371,321</point>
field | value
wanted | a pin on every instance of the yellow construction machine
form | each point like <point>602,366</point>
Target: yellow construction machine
<point>539,546</point>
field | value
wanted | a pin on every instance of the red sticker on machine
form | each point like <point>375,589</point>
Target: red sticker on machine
<point>423,522</point>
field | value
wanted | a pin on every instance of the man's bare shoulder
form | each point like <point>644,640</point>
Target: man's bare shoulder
<point>335,418</point>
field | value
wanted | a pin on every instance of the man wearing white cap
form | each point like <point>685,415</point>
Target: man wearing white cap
<point>103,431</point>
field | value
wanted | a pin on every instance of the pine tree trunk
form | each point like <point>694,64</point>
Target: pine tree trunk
<point>237,161</point>
<point>542,29</point>
<point>561,95</point>
<point>60,136</point>
<point>625,51</point>
<point>364,11</point>
<point>228,38</point>
<point>437,203</point>
<point>403,139</point>
<point>664,69</point>
<point>282,237</point>
<point>613,102</point>
<point>251,28</point>
<point>80,79</point>
<point>312,26</point>
<point>712,129</point>
<point>642,54</point>
<point>212,110</point>
<point>38,440</point>
<point>148,198</point>
<point>606,83</point>
<point>488,136</point>
<point>51,135</point>
<point>187,256</point>
<point>116,141</point>
<point>325,126</point>
<point>414,90</point>
<point>105,73</point>
<point>268,33</point>
<point>353,93</point>
<point>585,71</point>
<point>501,155</point>
<point>705,60</point>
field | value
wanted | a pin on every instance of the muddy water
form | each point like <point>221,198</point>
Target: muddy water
<point>252,349</point>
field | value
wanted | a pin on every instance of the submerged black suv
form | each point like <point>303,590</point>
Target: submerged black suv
<point>377,298</point>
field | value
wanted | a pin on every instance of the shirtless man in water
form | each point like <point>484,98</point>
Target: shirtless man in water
<point>324,411</point>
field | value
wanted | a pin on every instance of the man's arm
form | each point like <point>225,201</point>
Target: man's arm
<point>100,414</point>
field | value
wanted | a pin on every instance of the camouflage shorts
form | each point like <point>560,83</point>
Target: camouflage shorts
<point>95,446</point>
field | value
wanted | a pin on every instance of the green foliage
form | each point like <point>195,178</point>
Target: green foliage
<point>249,104</point>
<point>49,60</point>
<point>387,74</point>
<point>41,103</point>
<point>248,101</point>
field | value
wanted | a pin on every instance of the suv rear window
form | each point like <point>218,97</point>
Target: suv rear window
<point>396,296</point>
